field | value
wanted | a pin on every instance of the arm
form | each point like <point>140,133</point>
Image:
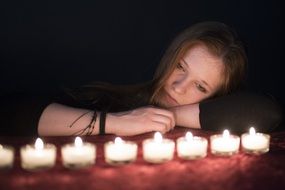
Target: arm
<point>236,112</point>
<point>35,114</point>
<point>187,115</point>
<point>56,119</point>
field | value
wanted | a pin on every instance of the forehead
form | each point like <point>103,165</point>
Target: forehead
<point>204,66</point>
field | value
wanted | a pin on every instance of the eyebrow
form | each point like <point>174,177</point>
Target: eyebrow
<point>204,82</point>
<point>185,62</point>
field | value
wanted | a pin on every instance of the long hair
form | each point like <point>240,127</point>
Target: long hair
<point>220,40</point>
<point>109,97</point>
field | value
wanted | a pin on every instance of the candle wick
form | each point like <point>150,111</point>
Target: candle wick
<point>252,131</point>
<point>226,134</point>
<point>158,137</point>
<point>118,140</point>
<point>78,142</point>
<point>189,136</point>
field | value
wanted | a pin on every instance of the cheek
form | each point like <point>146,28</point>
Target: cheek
<point>169,81</point>
<point>175,76</point>
<point>194,96</point>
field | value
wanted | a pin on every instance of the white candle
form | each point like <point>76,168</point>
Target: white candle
<point>255,143</point>
<point>225,144</point>
<point>78,154</point>
<point>6,157</point>
<point>190,147</point>
<point>120,152</point>
<point>158,149</point>
<point>38,156</point>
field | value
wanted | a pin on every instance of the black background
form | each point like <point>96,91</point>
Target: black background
<point>48,44</point>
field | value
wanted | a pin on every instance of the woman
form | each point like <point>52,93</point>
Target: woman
<point>193,87</point>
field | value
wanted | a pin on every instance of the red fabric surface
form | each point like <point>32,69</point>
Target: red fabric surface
<point>240,171</point>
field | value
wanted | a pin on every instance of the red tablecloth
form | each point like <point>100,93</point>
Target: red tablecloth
<point>240,171</point>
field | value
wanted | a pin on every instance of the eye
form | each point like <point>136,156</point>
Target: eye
<point>201,88</point>
<point>179,66</point>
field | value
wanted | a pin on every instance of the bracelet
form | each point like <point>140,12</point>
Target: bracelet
<point>92,123</point>
<point>89,128</point>
<point>102,123</point>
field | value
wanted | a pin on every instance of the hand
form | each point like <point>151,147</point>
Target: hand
<point>140,120</point>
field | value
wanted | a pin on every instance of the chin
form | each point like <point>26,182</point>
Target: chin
<point>163,102</point>
<point>163,105</point>
<point>166,104</point>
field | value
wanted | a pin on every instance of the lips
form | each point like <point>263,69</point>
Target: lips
<point>170,99</point>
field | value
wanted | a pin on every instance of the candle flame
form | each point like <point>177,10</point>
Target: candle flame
<point>118,140</point>
<point>189,136</point>
<point>78,142</point>
<point>157,137</point>
<point>39,145</point>
<point>252,131</point>
<point>226,133</point>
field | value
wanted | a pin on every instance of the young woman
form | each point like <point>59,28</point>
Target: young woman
<point>195,85</point>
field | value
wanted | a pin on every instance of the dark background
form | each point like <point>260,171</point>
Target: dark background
<point>49,44</point>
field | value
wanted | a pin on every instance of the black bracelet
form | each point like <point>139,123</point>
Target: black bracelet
<point>89,128</point>
<point>102,123</point>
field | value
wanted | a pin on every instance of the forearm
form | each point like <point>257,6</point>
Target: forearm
<point>59,120</point>
<point>187,115</point>
<point>240,111</point>
<point>237,112</point>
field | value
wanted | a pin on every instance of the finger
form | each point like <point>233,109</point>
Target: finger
<point>163,119</point>
<point>167,113</point>
<point>160,127</point>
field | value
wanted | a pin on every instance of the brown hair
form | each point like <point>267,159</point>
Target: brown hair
<point>220,40</point>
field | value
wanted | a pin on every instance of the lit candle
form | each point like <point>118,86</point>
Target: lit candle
<point>158,149</point>
<point>190,147</point>
<point>38,156</point>
<point>255,143</point>
<point>225,144</point>
<point>78,154</point>
<point>120,152</point>
<point>6,156</point>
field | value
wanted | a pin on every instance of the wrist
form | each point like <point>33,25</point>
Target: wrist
<point>174,110</point>
<point>110,124</point>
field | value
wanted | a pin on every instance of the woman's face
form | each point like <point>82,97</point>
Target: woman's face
<point>198,76</point>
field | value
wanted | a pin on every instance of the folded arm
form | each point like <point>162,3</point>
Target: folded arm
<point>236,112</point>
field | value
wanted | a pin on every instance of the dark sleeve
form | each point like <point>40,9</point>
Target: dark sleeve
<point>20,114</point>
<point>238,112</point>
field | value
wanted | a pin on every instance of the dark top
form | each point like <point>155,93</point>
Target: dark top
<point>20,114</point>
<point>240,111</point>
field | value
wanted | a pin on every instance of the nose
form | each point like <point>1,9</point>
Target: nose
<point>180,86</point>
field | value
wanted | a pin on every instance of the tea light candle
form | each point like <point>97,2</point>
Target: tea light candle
<point>158,149</point>
<point>78,154</point>
<point>6,157</point>
<point>225,144</point>
<point>38,156</point>
<point>255,143</point>
<point>190,147</point>
<point>120,152</point>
